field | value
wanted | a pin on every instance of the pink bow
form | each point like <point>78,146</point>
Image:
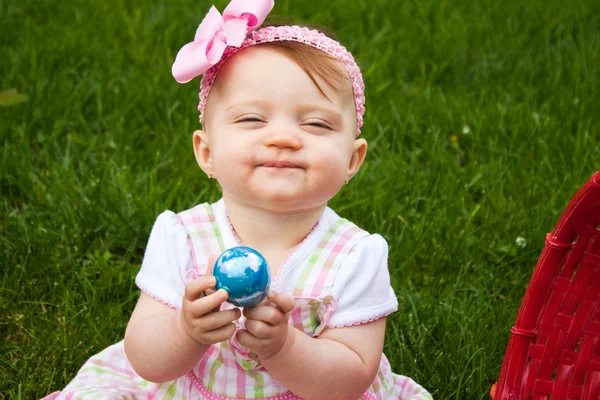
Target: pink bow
<point>215,33</point>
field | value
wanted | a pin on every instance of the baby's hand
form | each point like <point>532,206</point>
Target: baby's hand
<point>267,325</point>
<point>200,315</point>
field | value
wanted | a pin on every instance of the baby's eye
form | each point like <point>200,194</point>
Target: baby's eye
<point>319,124</point>
<point>249,119</point>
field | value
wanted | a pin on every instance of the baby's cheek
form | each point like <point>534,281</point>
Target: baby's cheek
<point>329,181</point>
<point>231,160</point>
<point>333,168</point>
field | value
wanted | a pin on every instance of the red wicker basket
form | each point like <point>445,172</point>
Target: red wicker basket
<point>554,349</point>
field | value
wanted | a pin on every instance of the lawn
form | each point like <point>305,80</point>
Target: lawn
<point>482,118</point>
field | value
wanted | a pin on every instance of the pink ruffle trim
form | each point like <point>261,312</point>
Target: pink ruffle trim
<point>365,321</point>
<point>165,302</point>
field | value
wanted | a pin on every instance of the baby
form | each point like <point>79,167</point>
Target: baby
<point>281,110</point>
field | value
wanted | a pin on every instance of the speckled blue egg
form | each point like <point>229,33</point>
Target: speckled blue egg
<point>243,272</point>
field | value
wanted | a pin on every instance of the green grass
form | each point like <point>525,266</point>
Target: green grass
<point>482,118</point>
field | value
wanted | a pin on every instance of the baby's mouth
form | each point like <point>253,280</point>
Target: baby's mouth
<point>280,164</point>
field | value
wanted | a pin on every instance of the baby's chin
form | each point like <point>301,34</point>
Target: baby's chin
<point>282,203</point>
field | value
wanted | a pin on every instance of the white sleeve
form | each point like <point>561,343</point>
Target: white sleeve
<point>166,261</point>
<point>362,287</point>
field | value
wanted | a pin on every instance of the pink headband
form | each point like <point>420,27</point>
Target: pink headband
<point>219,37</point>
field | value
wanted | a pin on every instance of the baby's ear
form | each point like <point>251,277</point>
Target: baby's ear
<point>358,156</point>
<point>202,151</point>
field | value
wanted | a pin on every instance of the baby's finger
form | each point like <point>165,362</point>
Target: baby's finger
<point>219,335</point>
<point>259,329</point>
<point>206,304</point>
<point>248,340</point>
<point>284,302</point>
<point>194,289</point>
<point>266,313</point>
<point>216,320</point>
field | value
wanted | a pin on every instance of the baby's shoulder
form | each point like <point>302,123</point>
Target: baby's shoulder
<point>167,233</point>
<point>174,227</point>
<point>347,228</point>
<point>167,222</point>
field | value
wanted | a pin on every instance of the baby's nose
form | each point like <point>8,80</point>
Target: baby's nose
<point>284,139</point>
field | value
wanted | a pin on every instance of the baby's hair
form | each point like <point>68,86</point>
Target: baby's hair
<point>314,62</point>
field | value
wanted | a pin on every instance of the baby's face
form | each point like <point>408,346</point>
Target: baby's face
<point>276,142</point>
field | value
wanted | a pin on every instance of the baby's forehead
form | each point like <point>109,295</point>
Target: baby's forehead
<point>256,68</point>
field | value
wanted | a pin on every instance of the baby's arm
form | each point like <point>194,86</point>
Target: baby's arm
<point>163,344</point>
<point>340,364</point>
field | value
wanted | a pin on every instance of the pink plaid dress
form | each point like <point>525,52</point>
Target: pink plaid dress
<point>228,370</point>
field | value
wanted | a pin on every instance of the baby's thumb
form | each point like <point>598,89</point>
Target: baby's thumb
<point>284,302</point>
<point>195,288</point>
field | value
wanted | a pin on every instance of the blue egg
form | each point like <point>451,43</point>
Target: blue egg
<point>243,272</point>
